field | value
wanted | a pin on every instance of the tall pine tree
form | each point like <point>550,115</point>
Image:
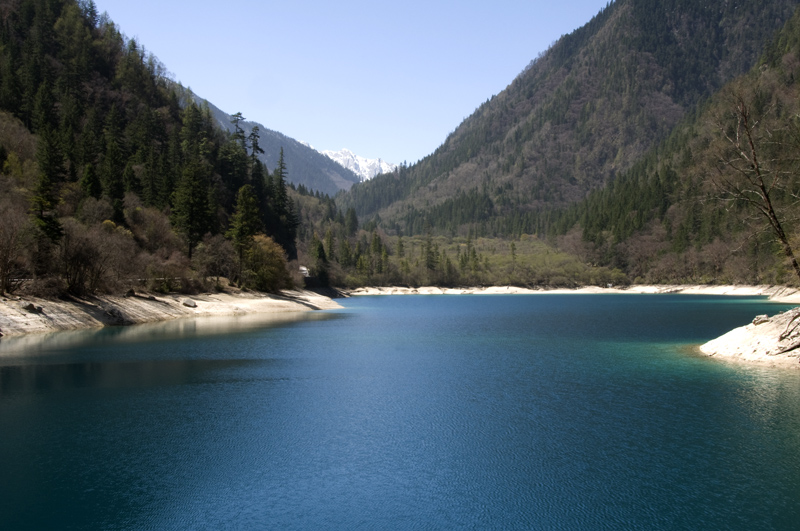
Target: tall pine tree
<point>192,213</point>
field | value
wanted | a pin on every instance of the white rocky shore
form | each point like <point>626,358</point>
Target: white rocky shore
<point>769,341</point>
<point>775,293</point>
<point>33,315</point>
<point>772,341</point>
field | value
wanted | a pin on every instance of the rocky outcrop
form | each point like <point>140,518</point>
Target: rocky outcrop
<point>767,340</point>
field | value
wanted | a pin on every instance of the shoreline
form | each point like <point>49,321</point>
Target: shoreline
<point>768,341</point>
<point>33,315</point>
<point>779,294</point>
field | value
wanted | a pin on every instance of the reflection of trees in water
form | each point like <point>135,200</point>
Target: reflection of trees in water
<point>48,378</point>
<point>40,347</point>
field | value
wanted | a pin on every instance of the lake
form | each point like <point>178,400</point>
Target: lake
<point>435,412</point>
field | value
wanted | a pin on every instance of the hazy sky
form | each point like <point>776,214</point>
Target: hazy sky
<point>388,80</point>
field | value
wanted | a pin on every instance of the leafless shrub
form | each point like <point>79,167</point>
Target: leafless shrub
<point>81,264</point>
<point>102,257</point>
<point>93,211</point>
<point>215,257</point>
<point>16,233</point>
<point>151,228</point>
<point>16,137</point>
<point>164,275</point>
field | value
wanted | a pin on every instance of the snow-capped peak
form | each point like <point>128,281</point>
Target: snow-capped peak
<point>363,167</point>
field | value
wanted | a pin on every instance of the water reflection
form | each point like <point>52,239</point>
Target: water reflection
<point>41,346</point>
<point>41,378</point>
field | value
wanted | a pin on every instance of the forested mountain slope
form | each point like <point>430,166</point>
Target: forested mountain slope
<point>580,114</point>
<point>107,178</point>
<point>717,201</point>
<point>310,168</point>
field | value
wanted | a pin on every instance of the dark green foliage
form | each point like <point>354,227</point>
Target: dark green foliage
<point>90,182</point>
<point>245,222</point>
<point>192,211</point>
<point>266,266</point>
<point>281,220</point>
<point>115,134</point>
<point>351,222</point>
<point>45,194</point>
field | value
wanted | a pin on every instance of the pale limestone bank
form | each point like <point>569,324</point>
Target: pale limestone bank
<point>775,293</point>
<point>32,315</point>
<point>772,341</point>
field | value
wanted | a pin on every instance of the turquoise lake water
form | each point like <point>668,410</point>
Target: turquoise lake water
<point>431,412</point>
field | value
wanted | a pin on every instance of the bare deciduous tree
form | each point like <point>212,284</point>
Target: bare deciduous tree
<point>758,163</point>
<point>15,234</point>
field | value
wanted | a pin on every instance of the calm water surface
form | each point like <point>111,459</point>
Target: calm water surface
<point>502,412</point>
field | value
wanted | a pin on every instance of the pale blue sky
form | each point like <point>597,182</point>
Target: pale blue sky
<point>383,80</point>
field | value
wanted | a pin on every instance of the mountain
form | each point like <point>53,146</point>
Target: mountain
<point>363,167</point>
<point>717,200</point>
<point>578,116</point>
<point>110,179</point>
<point>305,165</point>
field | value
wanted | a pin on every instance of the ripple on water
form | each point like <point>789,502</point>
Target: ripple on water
<point>556,412</point>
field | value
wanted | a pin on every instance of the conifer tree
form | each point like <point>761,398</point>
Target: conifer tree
<point>351,222</point>
<point>320,265</point>
<point>329,244</point>
<point>43,112</point>
<point>238,132</point>
<point>90,182</point>
<point>233,166</point>
<point>255,149</point>
<point>245,222</point>
<point>280,195</point>
<point>191,214</point>
<point>283,220</point>
<point>258,180</point>
<point>114,163</point>
<point>51,172</point>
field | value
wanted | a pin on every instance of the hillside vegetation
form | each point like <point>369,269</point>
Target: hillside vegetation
<point>612,147</point>
<point>690,210</point>
<point>112,177</point>
<point>579,115</point>
<point>658,143</point>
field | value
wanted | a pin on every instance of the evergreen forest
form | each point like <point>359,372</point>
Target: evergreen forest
<point>112,175</point>
<point>659,143</point>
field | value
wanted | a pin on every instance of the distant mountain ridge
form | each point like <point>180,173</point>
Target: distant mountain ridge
<point>361,166</point>
<point>582,113</point>
<point>305,165</point>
